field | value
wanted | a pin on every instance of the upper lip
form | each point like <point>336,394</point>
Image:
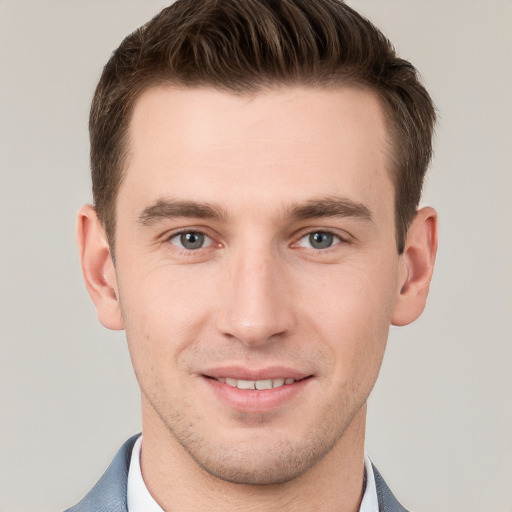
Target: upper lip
<point>243,373</point>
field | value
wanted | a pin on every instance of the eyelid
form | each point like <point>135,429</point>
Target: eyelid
<point>168,236</point>
<point>178,235</point>
<point>342,236</point>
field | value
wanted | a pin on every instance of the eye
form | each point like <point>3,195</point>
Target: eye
<point>191,240</point>
<point>319,240</point>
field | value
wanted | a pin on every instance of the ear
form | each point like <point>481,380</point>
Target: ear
<point>417,265</point>
<point>98,268</point>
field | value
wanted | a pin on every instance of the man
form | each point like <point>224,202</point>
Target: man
<point>257,168</point>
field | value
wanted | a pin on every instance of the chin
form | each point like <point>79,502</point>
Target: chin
<point>262,471</point>
<point>252,463</point>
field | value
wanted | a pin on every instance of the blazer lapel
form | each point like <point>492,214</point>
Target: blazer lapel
<point>109,494</point>
<point>387,500</point>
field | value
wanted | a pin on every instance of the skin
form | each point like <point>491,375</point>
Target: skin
<point>256,176</point>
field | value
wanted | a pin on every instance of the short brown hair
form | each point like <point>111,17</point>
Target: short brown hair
<point>244,46</point>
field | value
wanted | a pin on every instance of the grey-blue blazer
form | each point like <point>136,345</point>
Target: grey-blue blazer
<point>109,494</point>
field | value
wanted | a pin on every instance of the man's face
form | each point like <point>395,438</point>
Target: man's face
<point>255,247</point>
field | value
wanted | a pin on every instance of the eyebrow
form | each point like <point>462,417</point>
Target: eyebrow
<point>169,208</point>
<point>314,208</point>
<point>330,207</point>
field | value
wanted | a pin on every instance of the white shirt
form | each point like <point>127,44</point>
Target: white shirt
<point>139,499</point>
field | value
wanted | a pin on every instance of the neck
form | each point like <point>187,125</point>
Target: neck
<point>177,482</point>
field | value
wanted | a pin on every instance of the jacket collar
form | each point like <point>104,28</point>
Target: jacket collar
<point>109,494</point>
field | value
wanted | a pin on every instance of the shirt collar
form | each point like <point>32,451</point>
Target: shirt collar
<point>140,500</point>
<point>138,497</point>
<point>369,503</point>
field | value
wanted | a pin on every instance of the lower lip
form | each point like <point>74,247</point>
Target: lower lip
<point>253,400</point>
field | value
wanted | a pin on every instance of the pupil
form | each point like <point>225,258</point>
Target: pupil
<point>321,240</point>
<point>192,240</point>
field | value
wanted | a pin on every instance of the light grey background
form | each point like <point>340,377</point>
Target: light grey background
<point>440,420</point>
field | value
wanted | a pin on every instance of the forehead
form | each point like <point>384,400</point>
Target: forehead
<point>285,144</point>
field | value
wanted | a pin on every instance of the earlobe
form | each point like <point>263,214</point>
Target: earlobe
<point>98,268</point>
<point>417,266</point>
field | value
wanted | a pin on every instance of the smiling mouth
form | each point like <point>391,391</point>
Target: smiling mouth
<point>256,395</point>
<point>258,385</point>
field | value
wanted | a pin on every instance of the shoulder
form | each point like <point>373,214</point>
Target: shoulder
<point>109,494</point>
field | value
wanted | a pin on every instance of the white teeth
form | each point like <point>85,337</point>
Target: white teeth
<point>256,384</point>
<point>246,384</point>
<point>263,384</point>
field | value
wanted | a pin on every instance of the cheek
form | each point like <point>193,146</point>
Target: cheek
<point>163,317</point>
<point>353,308</point>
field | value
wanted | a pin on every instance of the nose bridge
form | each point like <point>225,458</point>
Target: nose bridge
<point>256,308</point>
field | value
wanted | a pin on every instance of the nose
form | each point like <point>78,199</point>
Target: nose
<point>256,307</point>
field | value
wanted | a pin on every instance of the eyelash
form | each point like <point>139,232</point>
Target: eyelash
<point>309,234</point>
<point>190,252</point>
<point>303,234</point>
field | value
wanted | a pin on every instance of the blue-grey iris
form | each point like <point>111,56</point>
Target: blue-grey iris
<point>321,240</point>
<point>192,240</point>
